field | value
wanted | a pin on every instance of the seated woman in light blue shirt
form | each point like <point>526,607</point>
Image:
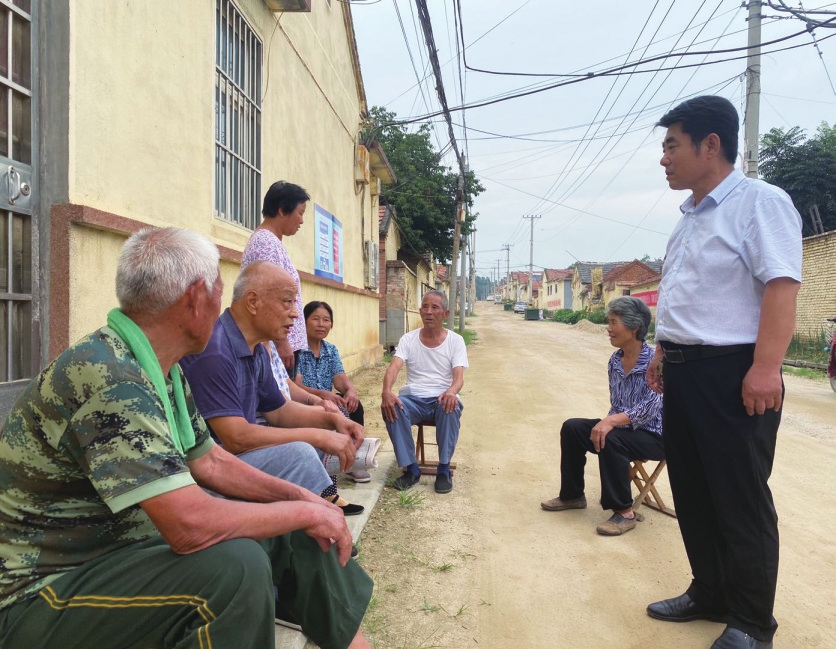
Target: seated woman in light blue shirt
<point>632,430</point>
<point>320,369</point>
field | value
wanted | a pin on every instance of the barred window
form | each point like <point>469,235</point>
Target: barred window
<point>19,329</point>
<point>238,58</point>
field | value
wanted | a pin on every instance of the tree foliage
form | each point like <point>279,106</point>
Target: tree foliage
<point>424,196</point>
<point>805,169</point>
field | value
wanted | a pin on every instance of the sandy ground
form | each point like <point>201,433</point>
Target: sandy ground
<point>485,567</point>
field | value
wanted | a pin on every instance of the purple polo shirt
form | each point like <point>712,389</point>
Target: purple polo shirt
<point>227,380</point>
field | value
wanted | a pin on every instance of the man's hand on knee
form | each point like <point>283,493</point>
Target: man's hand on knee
<point>449,401</point>
<point>389,406</point>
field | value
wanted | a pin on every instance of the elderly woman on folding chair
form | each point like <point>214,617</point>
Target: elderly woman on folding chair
<point>632,430</point>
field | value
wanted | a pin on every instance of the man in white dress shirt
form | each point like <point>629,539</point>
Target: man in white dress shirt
<point>726,315</point>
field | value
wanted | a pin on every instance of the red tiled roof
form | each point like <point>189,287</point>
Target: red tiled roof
<point>553,275</point>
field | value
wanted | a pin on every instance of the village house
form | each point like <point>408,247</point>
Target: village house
<point>134,114</point>
<point>620,280</point>
<point>405,276</point>
<point>588,284</point>
<point>557,289</point>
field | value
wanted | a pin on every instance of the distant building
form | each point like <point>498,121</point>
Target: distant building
<point>557,289</point>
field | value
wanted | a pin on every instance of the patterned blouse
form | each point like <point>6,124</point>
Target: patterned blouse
<point>319,373</point>
<point>266,246</point>
<point>631,395</point>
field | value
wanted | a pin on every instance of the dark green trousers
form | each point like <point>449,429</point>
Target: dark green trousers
<point>145,596</point>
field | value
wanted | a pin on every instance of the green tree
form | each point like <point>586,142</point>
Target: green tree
<point>805,169</point>
<point>425,195</point>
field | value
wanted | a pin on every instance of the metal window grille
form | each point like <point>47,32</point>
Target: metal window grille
<point>238,58</point>
<point>18,287</point>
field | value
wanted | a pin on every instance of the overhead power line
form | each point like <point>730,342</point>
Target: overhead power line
<point>432,52</point>
<point>621,70</point>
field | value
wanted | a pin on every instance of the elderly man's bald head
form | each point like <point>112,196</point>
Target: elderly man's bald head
<point>260,277</point>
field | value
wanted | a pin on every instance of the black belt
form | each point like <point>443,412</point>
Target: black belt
<point>683,353</point>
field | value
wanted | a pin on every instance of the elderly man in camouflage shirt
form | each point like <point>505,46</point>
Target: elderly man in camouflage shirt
<point>106,537</point>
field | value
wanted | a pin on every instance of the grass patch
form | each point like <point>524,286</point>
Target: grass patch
<point>814,348</point>
<point>429,608</point>
<point>410,498</point>
<point>469,336</point>
<point>426,563</point>
<point>805,372</point>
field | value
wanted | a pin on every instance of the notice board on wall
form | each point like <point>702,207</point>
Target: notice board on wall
<point>329,245</point>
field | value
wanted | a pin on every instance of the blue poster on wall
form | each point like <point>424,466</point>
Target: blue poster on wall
<point>329,245</point>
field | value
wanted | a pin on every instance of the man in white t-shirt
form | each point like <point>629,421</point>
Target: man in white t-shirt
<point>435,359</point>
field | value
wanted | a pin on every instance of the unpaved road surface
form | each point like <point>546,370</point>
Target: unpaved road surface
<point>485,567</point>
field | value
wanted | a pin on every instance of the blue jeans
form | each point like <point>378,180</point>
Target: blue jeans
<point>417,409</point>
<point>296,462</point>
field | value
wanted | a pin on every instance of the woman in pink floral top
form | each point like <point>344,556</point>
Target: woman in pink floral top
<point>283,212</point>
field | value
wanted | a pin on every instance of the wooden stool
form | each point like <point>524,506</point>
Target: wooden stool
<point>427,467</point>
<point>648,495</point>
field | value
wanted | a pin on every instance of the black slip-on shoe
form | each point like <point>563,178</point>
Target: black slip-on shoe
<point>406,481</point>
<point>737,639</point>
<point>682,609</point>
<point>443,483</point>
<point>352,510</point>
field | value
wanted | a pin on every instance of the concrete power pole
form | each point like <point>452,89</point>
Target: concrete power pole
<point>451,301</point>
<point>463,280</point>
<point>753,89</point>
<point>507,248</point>
<point>531,218</point>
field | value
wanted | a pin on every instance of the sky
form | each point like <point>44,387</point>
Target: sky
<point>583,157</point>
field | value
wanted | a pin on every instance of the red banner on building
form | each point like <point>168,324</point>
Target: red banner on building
<point>648,297</point>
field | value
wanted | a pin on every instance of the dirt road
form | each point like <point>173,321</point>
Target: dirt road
<point>486,567</point>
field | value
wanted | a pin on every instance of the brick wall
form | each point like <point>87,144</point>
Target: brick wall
<point>817,297</point>
<point>395,285</point>
<point>382,277</point>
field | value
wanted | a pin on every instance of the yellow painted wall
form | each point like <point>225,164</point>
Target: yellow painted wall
<point>141,139</point>
<point>93,254</point>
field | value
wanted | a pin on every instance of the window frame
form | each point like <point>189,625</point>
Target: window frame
<point>239,57</point>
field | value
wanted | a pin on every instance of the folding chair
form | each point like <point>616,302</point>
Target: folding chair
<point>648,495</point>
<point>427,467</point>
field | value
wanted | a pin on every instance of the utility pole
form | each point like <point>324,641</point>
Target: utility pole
<point>531,218</point>
<point>498,275</point>
<point>753,89</point>
<point>451,302</point>
<point>507,248</point>
<point>463,292</point>
<point>472,273</point>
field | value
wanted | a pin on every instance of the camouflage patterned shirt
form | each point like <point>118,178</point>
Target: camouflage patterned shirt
<point>85,443</point>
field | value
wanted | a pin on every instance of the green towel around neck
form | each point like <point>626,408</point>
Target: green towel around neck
<point>179,423</point>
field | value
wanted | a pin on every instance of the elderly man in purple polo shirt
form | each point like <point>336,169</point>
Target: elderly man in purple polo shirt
<point>232,381</point>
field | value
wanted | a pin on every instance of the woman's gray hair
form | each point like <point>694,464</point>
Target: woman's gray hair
<point>157,265</point>
<point>634,314</point>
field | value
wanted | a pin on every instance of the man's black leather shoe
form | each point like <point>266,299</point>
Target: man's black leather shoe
<point>736,639</point>
<point>681,609</point>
